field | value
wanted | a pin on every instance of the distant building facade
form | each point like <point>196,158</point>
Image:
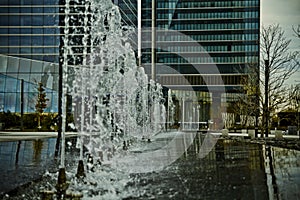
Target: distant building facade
<point>227,30</point>
<point>192,37</point>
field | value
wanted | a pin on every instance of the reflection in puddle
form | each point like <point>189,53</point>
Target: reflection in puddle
<point>283,172</point>
<point>232,170</point>
<point>24,161</point>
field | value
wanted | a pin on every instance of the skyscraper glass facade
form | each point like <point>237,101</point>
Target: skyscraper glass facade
<point>203,34</point>
<point>29,51</point>
<point>128,10</point>
<point>31,41</point>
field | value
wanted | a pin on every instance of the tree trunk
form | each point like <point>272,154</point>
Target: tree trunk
<point>39,121</point>
<point>267,115</point>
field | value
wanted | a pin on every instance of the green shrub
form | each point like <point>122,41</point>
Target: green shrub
<point>11,120</point>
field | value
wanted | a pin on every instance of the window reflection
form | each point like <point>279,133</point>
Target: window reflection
<point>31,48</point>
<point>3,64</point>
<point>31,72</point>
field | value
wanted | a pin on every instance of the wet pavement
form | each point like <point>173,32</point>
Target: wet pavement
<point>233,169</point>
<point>23,161</point>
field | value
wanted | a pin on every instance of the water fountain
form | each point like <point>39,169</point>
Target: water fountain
<point>114,104</point>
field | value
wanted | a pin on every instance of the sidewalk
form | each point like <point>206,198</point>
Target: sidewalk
<point>287,141</point>
<point>6,136</point>
<point>15,136</point>
<point>258,136</point>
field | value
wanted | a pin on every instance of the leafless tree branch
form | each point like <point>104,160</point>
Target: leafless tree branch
<point>276,67</point>
<point>296,30</point>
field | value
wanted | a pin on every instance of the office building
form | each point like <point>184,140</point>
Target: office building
<point>194,38</point>
<point>31,45</point>
<point>227,32</point>
<point>29,52</point>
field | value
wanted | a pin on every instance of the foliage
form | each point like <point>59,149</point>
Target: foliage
<point>294,103</point>
<point>10,119</point>
<point>41,102</point>
<point>48,121</point>
<point>248,99</point>
<point>244,110</point>
<point>29,121</point>
<point>294,98</point>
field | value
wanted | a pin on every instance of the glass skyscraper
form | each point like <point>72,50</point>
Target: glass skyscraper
<point>129,12</point>
<point>30,46</point>
<point>202,33</point>
<point>202,47</point>
<point>29,52</point>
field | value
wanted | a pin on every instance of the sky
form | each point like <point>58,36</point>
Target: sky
<point>287,14</point>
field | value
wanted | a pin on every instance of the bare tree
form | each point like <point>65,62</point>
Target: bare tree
<point>295,97</point>
<point>276,66</point>
<point>247,100</point>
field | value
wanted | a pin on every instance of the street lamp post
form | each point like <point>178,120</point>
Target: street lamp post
<point>153,41</point>
<point>22,104</point>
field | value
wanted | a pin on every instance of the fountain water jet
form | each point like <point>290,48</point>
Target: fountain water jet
<point>113,102</point>
<point>111,92</point>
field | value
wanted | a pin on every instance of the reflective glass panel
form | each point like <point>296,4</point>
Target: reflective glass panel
<point>13,64</point>
<point>10,102</point>
<point>11,84</point>
<point>24,76</point>
<point>24,66</point>
<point>36,66</point>
<point>3,64</point>
<point>37,20</point>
